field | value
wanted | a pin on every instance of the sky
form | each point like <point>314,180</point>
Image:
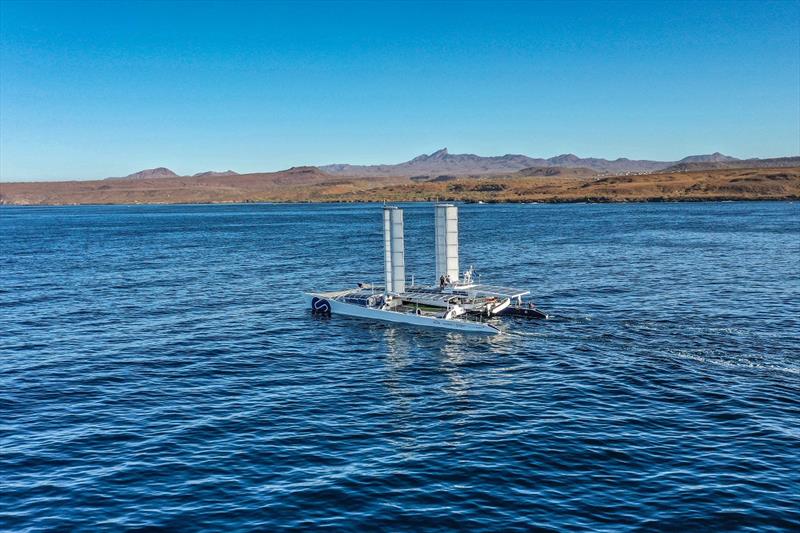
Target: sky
<point>90,90</point>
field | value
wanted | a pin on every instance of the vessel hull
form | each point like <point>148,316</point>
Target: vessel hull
<point>320,303</point>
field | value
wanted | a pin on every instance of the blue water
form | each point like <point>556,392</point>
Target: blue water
<point>157,368</point>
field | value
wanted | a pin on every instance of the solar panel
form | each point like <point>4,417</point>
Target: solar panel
<point>502,292</point>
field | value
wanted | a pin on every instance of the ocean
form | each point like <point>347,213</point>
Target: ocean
<point>158,369</point>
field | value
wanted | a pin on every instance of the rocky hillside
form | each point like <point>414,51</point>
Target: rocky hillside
<point>777,162</point>
<point>709,185</point>
<point>571,172</point>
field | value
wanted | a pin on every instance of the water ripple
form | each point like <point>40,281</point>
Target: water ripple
<point>157,370</point>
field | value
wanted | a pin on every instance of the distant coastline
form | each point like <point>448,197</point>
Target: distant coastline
<point>552,184</point>
<point>510,178</point>
<point>360,202</point>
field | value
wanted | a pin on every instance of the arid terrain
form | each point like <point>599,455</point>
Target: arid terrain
<point>739,184</point>
<point>310,184</point>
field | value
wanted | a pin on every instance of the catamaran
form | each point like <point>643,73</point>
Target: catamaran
<point>454,302</point>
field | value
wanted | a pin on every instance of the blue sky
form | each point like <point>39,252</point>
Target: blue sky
<point>89,90</point>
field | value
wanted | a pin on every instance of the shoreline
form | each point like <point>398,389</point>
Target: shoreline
<point>594,201</point>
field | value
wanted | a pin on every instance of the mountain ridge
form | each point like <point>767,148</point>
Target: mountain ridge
<point>443,162</point>
<point>774,162</point>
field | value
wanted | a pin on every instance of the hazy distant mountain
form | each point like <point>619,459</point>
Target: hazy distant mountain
<point>443,162</point>
<point>163,172</point>
<point>716,157</point>
<point>440,162</point>
<point>150,173</point>
<point>619,165</point>
<point>776,162</point>
<point>213,173</point>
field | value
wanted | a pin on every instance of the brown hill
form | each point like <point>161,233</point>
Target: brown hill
<point>716,157</point>
<point>295,184</point>
<point>163,172</point>
<point>149,173</point>
<point>575,172</point>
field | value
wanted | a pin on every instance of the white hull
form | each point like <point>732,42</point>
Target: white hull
<point>342,308</point>
<point>499,308</point>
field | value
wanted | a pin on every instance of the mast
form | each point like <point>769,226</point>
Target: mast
<point>394,250</point>
<point>446,241</point>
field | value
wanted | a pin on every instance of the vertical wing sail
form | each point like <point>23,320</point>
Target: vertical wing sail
<point>387,247</point>
<point>394,250</point>
<point>447,241</point>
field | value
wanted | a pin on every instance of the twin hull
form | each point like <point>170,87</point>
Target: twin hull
<point>342,308</point>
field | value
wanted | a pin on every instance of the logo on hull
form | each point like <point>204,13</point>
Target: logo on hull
<point>320,306</point>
